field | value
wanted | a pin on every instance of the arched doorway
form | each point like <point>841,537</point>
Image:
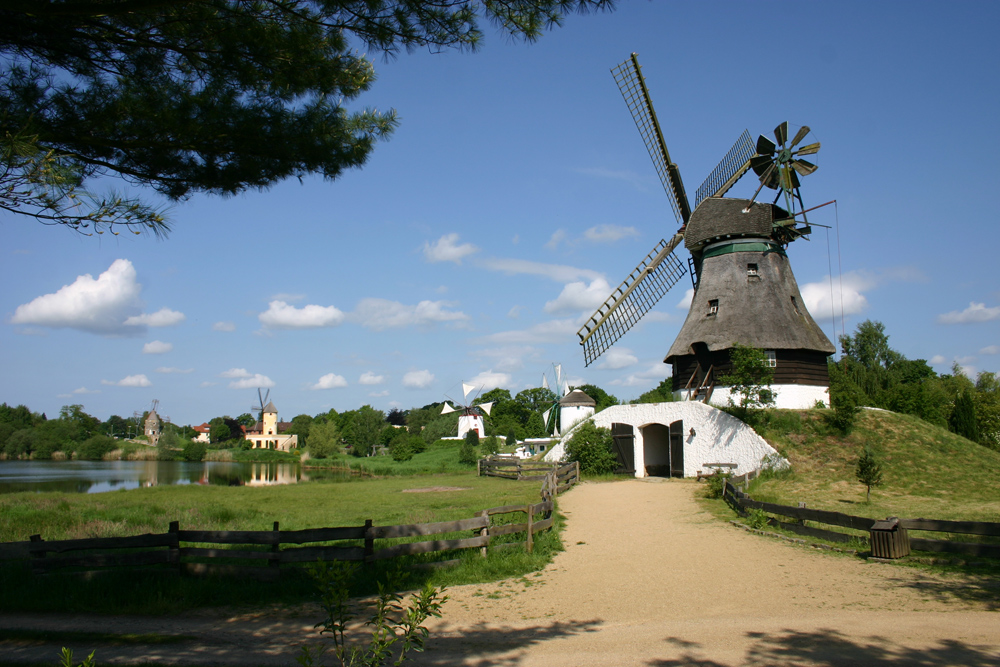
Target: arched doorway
<point>656,450</point>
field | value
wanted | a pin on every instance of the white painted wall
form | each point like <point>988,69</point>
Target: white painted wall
<point>719,437</point>
<point>786,396</point>
<point>468,423</point>
<point>571,415</point>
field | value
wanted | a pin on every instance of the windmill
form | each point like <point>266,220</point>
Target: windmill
<point>470,417</point>
<point>551,416</point>
<point>262,403</point>
<point>744,289</point>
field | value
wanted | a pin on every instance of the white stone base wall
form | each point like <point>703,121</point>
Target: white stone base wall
<point>786,396</point>
<point>718,437</point>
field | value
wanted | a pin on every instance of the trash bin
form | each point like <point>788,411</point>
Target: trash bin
<point>889,539</point>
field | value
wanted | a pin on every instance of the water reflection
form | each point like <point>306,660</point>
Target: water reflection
<point>101,476</point>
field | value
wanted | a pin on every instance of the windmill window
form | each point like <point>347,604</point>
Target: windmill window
<point>713,306</point>
<point>752,271</point>
<point>771,358</point>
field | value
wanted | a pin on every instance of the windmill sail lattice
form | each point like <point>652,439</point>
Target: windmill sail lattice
<point>629,78</point>
<point>728,171</point>
<point>637,294</point>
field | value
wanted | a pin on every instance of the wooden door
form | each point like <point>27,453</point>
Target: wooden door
<point>623,443</point>
<point>677,448</point>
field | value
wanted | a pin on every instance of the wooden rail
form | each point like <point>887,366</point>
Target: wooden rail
<point>741,501</point>
<point>262,554</point>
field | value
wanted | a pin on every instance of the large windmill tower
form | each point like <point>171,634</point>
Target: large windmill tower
<point>745,291</point>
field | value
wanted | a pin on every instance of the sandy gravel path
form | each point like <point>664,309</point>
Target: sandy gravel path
<point>647,578</point>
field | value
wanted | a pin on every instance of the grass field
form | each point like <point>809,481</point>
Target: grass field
<point>387,501</point>
<point>440,456</point>
<point>928,471</point>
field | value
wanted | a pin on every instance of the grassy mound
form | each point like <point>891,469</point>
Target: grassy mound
<point>928,471</point>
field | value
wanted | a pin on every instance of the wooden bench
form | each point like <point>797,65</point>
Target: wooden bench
<point>716,469</point>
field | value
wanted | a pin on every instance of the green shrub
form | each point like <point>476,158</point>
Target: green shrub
<point>592,448</point>
<point>193,451</point>
<point>757,519</point>
<point>402,451</point>
<point>717,484</point>
<point>95,447</point>
<point>470,448</point>
<point>868,471</point>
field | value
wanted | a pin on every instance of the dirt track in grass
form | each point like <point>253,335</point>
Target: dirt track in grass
<point>647,578</point>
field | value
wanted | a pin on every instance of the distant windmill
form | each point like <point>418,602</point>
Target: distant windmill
<point>262,403</point>
<point>470,418</point>
<point>551,416</point>
<point>567,409</point>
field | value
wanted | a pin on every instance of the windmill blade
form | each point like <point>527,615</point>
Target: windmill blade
<point>729,171</point>
<point>558,369</point>
<point>804,167</point>
<point>466,388</point>
<point>811,149</point>
<point>545,382</point>
<point>632,85</point>
<point>781,133</point>
<point>486,407</point>
<point>799,136</point>
<point>446,408</point>
<point>765,146</point>
<point>644,287</point>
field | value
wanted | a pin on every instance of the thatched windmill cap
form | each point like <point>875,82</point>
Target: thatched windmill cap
<point>577,398</point>
<point>716,219</point>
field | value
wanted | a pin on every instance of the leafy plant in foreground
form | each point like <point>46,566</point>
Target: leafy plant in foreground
<point>66,659</point>
<point>394,627</point>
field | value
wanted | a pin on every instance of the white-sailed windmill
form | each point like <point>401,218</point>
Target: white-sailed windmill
<point>471,416</point>
<point>568,407</point>
<point>744,289</point>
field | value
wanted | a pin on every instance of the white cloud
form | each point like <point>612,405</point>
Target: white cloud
<point>255,381</point>
<point>281,315</point>
<point>846,298</point>
<point>97,306</point>
<point>685,302</point>
<point>84,390</point>
<point>379,394</point>
<point>552,331</point>
<point>968,371</point>
<point>975,313</point>
<point>515,312</point>
<point>938,359</point>
<point>157,347</point>
<point>491,380</point>
<point>577,296</point>
<point>609,233</point>
<point>418,379</point>
<point>447,249</point>
<point>649,377</point>
<point>330,381</point>
<point>557,272</point>
<point>557,237</point>
<point>508,358</point>
<point>130,381</point>
<point>379,314</point>
<point>965,360</point>
<point>223,326</point>
<point>235,373</point>
<point>370,378</point>
<point>617,358</point>
<point>990,349</point>
<point>164,317</point>
<point>171,369</point>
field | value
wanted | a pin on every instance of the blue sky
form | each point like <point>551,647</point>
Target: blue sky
<point>515,195</point>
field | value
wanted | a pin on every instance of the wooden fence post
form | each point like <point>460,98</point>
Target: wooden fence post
<point>36,567</point>
<point>276,548</point>
<point>484,531</point>
<point>576,472</point>
<point>175,545</point>
<point>369,541</point>
<point>531,536</point>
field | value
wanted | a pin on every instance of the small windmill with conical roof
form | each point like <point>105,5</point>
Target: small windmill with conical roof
<point>471,416</point>
<point>744,289</point>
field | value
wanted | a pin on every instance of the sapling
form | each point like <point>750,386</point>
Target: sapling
<point>868,471</point>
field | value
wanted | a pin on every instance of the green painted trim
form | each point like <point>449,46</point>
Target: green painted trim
<point>737,246</point>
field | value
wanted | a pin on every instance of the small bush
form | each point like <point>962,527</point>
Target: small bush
<point>95,447</point>
<point>717,484</point>
<point>757,519</point>
<point>592,447</point>
<point>193,451</point>
<point>470,448</point>
<point>402,451</point>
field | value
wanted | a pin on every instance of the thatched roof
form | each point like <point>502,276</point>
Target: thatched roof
<point>765,311</point>
<point>577,397</point>
<point>720,218</point>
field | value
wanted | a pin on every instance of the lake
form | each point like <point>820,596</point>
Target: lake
<point>100,476</point>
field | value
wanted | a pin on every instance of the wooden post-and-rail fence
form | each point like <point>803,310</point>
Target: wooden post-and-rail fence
<point>742,502</point>
<point>261,554</point>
